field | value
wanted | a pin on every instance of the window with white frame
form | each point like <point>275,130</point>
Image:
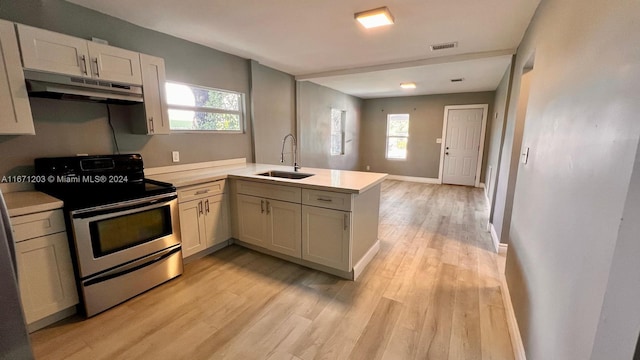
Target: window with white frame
<point>337,131</point>
<point>397,136</point>
<point>196,108</point>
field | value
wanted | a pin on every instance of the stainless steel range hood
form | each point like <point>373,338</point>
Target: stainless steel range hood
<point>56,86</point>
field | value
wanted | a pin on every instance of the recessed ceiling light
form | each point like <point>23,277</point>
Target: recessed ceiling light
<point>374,18</point>
<point>408,85</point>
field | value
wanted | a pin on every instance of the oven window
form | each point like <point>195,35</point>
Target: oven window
<point>114,234</point>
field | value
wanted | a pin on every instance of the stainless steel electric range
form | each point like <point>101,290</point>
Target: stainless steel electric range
<point>123,229</point>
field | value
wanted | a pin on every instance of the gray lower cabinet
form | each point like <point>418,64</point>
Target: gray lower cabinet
<point>45,271</point>
<point>271,224</point>
<point>326,237</point>
<point>204,217</point>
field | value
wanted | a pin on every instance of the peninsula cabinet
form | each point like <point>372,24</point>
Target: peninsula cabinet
<point>62,54</point>
<point>326,237</point>
<point>15,117</point>
<point>271,224</point>
<point>320,227</point>
<point>204,217</point>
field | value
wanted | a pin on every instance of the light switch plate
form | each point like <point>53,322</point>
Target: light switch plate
<point>525,155</point>
<point>176,156</point>
<point>439,141</point>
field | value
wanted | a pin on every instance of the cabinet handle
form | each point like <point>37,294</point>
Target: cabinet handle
<point>323,199</point>
<point>346,220</point>
<point>262,206</point>
<point>152,128</point>
<point>200,208</point>
<point>97,67</point>
<point>268,205</point>
<point>200,192</point>
<point>83,58</point>
<point>206,205</point>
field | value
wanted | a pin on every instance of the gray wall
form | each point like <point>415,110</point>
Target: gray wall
<point>314,126</point>
<point>68,128</point>
<point>274,112</point>
<point>583,133</point>
<point>495,135</point>
<point>510,156</point>
<point>425,126</point>
<point>620,317</point>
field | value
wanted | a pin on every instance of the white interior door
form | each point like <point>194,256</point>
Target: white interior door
<point>462,146</point>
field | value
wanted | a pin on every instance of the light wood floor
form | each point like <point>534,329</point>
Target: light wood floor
<point>432,292</point>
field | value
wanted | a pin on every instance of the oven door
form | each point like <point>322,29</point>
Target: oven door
<point>113,235</point>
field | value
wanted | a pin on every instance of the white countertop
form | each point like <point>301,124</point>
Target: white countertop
<point>29,202</point>
<point>322,179</point>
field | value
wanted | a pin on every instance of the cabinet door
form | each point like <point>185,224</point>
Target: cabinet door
<point>326,237</point>
<point>15,117</point>
<point>45,275</point>
<point>49,51</point>
<point>252,220</point>
<point>284,227</point>
<point>192,228</point>
<point>114,64</point>
<point>216,220</point>
<point>155,99</point>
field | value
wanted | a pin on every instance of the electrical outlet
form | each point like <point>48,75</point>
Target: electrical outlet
<point>176,156</point>
<point>368,168</point>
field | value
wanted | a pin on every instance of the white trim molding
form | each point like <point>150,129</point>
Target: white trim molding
<point>414,179</point>
<point>494,237</point>
<point>512,323</point>
<point>502,249</point>
<point>485,110</point>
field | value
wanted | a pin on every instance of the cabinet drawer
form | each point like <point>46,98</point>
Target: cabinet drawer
<point>327,199</point>
<point>276,192</point>
<point>200,191</point>
<point>39,224</point>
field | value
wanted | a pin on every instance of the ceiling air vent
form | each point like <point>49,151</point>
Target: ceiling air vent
<point>457,80</point>
<point>444,46</point>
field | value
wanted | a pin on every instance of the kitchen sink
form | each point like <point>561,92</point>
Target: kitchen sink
<point>285,174</point>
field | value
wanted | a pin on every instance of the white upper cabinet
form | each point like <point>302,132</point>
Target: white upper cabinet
<point>62,54</point>
<point>15,114</point>
<point>114,64</point>
<point>52,52</point>
<point>155,98</point>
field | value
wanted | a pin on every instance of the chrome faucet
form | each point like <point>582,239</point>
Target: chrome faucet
<point>295,147</point>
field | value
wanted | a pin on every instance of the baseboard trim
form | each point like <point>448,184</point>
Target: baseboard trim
<point>512,323</point>
<point>494,237</point>
<point>502,249</point>
<point>366,259</point>
<point>481,185</point>
<point>414,179</point>
<point>53,318</point>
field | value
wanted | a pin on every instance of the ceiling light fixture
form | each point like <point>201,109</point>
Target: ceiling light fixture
<point>408,85</point>
<point>374,18</point>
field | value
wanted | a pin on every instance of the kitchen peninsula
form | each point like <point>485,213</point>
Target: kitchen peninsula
<point>327,221</point>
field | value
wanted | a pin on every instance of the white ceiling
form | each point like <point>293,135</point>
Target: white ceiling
<point>319,39</point>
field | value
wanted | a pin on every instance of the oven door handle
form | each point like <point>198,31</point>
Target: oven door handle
<point>121,207</point>
<point>133,266</point>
